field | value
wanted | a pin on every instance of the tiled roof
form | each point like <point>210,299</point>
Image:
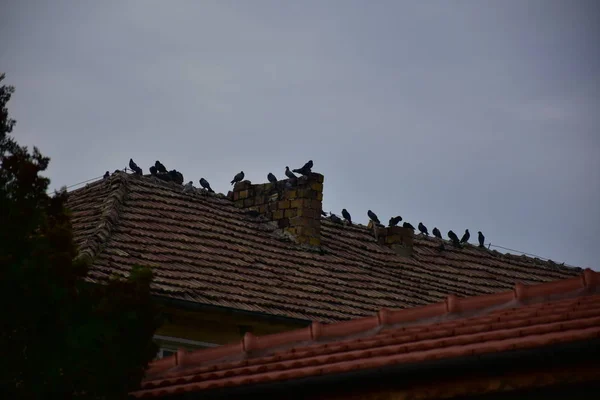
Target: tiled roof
<point>205,250</point>
<point>528,317</point>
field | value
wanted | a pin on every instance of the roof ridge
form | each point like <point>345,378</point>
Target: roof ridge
<point>453,307</point>
<point>111,211</point>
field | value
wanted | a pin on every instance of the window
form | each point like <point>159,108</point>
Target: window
<point>168,345</point>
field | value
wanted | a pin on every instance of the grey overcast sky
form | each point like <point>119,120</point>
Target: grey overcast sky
<point>462,114</point>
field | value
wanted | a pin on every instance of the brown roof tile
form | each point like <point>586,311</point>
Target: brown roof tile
<point>522,318</point>
<point>205,250</point>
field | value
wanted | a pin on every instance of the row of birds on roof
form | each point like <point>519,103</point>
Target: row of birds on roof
<point>394,221</point>
<point>160,171</point>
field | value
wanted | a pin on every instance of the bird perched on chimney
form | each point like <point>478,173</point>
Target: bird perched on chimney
<point>335,219</point>
<point>188,187</point>
<point>481,238</point>
<point>272,178</point>
<point>106,175</point>
<point>305,170</point>
<point>134,167</point>
<point>408,225</point>
<point>466,236</point>
<point>204,183</point>
<point>454,238</point>
<point>160,167</point>
<point>347,216</point>
<point>238,178</point>
<point>423,229</point>
<point>395,220</point>
<point>290,174</point>
<point>373,217</point>
<point>437,233</point>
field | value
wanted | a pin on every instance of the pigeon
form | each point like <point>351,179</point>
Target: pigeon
<point>423,229</point>
<point>106,175</point>
<point>153,171</point>
<point>134,167</point>
<point>347,216</point>
<point>160,167</point>
<point>189,187</point>
<point>437,233</point>
<point>335,219</point>
<point>323,213</point>
<point>373,217</point>
<point>306,169</point>
<point>289,173</point>
<point>395,220</point>
<point>176,176</point>
<point>204,183</point>
<point>238,178</point>
<point>272,178</point>
<point>481,238</point>
<point>453,238</point>
<point>408,225</point>
<point>164,177</point>
<point>466,236</point>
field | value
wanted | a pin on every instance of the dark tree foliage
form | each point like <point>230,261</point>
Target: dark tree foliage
<point>60,336</point>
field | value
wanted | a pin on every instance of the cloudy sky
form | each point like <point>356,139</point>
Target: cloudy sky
<point>461,114</point>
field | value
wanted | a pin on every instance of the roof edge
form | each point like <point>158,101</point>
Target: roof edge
<point>109,219</point>
<point>453,307</point>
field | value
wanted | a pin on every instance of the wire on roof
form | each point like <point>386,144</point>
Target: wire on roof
<point>49,192</point>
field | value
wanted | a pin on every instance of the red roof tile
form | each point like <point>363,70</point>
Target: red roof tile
<point>527,317</point>
<point>205,250</point>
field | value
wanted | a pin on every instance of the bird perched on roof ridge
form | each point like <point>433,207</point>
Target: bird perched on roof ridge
<point>272,178</point>
<point>204,183</point>
<point>106,175</point>
<point>238,177</point>
<point>423,229</point>
<point>335,219</point>
<point>289,173</point>
<point>176,176</point>
<point>454,238</point>
<point>466,236</point>
<point>347,216</point>
<point>394,220</point>
<point>373,217</point>
<point>408,225</point>
<point>306,168</point>
<point>134,167</point>
<point>437,233</point>
<point>188,187</point>
<point>160,167</point>
<point>481,239</point>
<point>153,171</point>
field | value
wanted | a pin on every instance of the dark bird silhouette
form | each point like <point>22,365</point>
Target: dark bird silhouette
<point>323,213</point>
<point>454,238</point>
<point>423,229</point>
<point>437,233</point>
<point>395,220</point>
<point>272,178</point>
<point>347,216</point>
<point>408,225</point>
<point>176,176</point>
<point>238,178</point>
<point>164,177</point>
<point>106,175</point>
<point>289,173</point>
<point>373,217</point>
<point>335,219</point>
<point>153,171</point>
<point>305,170</point>
<point>134,167</point>
<point>466,236</point>
<point>481,239</point>
<point>204,183</point>
<point>160,167</point>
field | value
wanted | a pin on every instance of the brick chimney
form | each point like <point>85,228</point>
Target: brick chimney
<point>294,204</point>
<point>396,238</point>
